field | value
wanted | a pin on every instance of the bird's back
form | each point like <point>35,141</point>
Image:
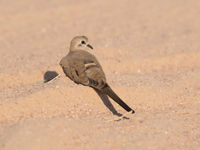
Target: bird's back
<point>93,68</point>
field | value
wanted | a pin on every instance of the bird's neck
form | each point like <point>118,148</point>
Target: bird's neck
<point>72,48</point>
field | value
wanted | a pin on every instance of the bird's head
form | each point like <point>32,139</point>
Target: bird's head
<point>80,43</point>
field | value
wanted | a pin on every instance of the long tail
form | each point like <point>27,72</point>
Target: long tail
<point>107,90</point>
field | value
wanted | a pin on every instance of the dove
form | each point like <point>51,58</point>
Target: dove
<point>83,68</point>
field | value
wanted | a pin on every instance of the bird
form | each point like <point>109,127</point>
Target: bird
<point>83,68</point>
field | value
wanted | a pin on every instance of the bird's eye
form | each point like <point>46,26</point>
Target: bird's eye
<point>83,42</point>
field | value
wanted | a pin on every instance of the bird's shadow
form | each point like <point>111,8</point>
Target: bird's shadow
<point>49,75</point>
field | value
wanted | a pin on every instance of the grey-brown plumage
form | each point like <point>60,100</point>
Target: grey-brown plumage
<point>83,68</point>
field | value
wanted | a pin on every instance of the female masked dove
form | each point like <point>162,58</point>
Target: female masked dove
<point>83,68</point>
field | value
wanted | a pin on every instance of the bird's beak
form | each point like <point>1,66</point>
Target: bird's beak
<point>88,45</point>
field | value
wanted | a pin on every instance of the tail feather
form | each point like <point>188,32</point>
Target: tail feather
<point>107,90</point>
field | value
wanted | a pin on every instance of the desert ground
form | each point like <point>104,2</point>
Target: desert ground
<point>150,53</point>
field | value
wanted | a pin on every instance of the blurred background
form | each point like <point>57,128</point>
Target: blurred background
<point>43,29</point>
<point>149,50</point>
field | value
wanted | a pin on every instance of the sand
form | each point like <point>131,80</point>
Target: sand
<point>149,51</point>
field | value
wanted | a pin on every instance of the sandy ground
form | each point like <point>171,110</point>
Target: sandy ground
<point>150,52</point>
